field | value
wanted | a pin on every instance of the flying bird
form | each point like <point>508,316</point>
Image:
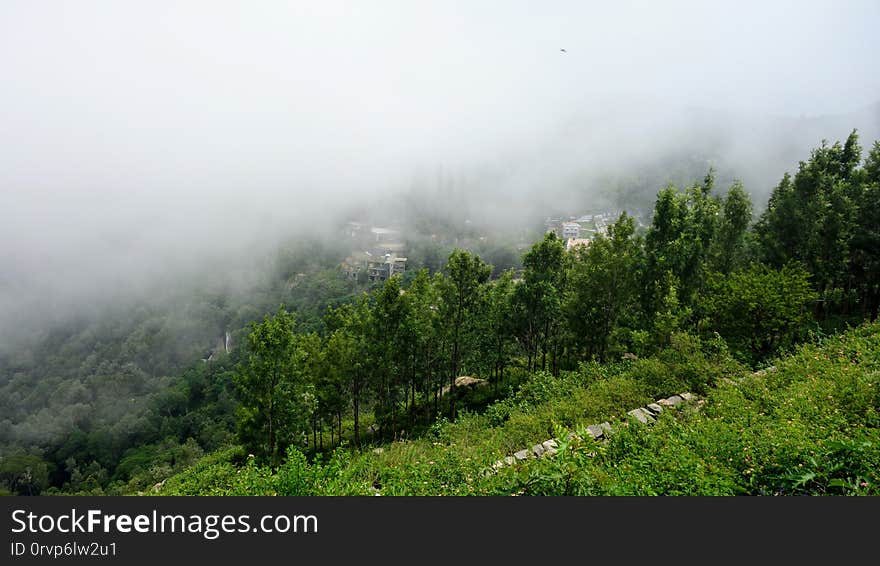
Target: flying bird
<point>563,50</point>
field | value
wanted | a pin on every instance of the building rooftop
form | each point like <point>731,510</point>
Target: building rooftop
<point>384,231</point>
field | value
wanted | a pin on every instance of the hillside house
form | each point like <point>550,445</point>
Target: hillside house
<point>355,263</point>
<point>570,230</point>
<point>382,267</point>
<point>385,234</point>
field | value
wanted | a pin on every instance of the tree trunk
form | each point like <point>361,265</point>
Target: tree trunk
<point>357,413</point>
<point>271,430</point>
<point>427,394</point>
<point>875,304</point>
<point>452,377</point>
<point>412,404</point>
<point>452,397</point>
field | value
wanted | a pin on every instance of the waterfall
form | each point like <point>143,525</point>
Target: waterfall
<point>226,344</point>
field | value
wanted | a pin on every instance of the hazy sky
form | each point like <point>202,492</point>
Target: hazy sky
<point>134,133</point>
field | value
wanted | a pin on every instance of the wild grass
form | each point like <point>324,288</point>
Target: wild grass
<point>812,427</point>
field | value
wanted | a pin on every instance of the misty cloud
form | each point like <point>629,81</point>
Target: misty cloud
<point>146,140</point>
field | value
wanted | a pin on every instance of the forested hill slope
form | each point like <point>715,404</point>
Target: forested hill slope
<point>79,395</point>
<point>702,294</point>
<point>810,426</point>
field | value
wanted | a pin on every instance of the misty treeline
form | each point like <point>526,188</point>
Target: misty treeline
<point>75,401</point>
<point>133,391</point>
<point>384,364</point>
<point>811,263</point>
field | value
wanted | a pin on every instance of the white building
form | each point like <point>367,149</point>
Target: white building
<point>385,234</point>
<point>570,230</point>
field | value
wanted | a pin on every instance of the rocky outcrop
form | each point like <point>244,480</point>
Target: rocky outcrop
<point>464,382</point>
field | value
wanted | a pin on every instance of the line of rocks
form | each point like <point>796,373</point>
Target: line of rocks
<point>644,415</point>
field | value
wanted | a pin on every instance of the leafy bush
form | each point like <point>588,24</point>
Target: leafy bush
<point>761,312</point>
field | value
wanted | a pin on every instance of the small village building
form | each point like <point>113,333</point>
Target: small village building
<point>570,230</point>
<point>385,234</point>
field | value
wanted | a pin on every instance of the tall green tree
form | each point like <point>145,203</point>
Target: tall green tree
<point>811,218</point>
<point>678,246</point>
<point>317,391</point>
<point>865,265</point>
<point>603,287</point>
<point>348,354</point>
<point>494,334</point>
<point>538,299</point>
<point>268,384</point>
<point>736,215</point>
<point>387,341</point>
<point>465,276</point>
<point>423,352</point>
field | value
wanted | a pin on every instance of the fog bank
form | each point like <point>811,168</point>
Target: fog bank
<point>145,143</point>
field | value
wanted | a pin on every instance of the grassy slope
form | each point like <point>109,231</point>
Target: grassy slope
<point>812,427</point>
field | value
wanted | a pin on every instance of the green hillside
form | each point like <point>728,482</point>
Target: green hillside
<point>810,426</point>
<point>420,383</point>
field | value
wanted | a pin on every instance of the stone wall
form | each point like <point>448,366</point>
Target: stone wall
<point>644,415</point>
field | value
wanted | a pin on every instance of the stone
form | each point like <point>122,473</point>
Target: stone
<point>688,397</point>
<point>550,447</point>
<point>606,427</point>
<point>654,408</point>
<point>673,401</point>
<point>538,450</point>
<point>641,415</point>
<point>498,465</point>
<point>509,460</point>
<point>522,455</point>
<point>468,381</point>
<point>465,382</point>
<point>595,431</point>
<point>765,371</point>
